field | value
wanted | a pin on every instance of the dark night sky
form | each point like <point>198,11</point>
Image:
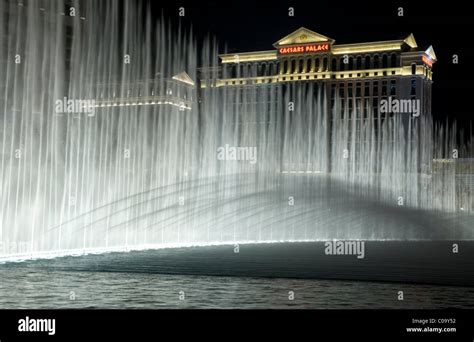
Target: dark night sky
<point>252,25</point>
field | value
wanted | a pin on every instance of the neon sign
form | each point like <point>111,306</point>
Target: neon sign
<point>304,48</point>
<point>427,61</point>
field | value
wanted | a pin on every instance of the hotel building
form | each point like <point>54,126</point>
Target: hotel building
<point>354,79</point>
<point>355,73</point>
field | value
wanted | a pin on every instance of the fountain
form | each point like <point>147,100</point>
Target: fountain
<point>134,162</point>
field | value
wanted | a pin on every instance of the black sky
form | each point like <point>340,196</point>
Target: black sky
<point>251,25</point>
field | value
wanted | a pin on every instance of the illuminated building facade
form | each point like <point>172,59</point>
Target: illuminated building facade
<point>176,92</point>
<point>355,80</point>
<point>357,74</point>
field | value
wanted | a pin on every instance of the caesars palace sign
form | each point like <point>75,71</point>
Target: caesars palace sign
<point>308,48</point>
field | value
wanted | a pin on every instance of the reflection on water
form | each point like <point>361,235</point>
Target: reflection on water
<point>257,277</point>
<point>26,289</point>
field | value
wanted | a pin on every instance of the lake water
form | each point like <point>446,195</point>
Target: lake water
<point>274,276</point>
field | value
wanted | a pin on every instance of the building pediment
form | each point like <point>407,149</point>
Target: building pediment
<point>431,54</point>
<point>303,36</point>
<point>410,41</point>
<point>183,77</point>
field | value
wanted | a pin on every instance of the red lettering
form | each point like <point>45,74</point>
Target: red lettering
<point>304,48</point>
